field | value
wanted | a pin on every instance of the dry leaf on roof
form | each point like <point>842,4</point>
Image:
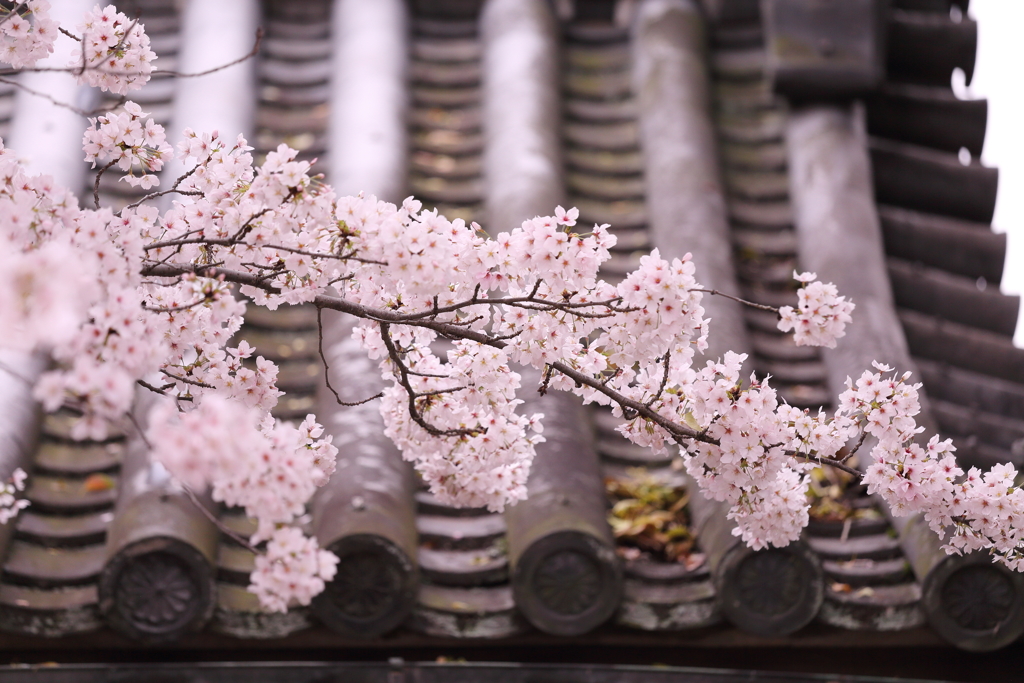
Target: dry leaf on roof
<point>649,518</point>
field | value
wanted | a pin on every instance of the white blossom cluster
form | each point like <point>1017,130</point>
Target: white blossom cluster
<point>270,468</point>
<point>71,283</point>
<point>821,314</point>
<point>26,35</point>
<point>130,142</point>
<point>751,466</point>
<point>10,503</point>
<point>984,510</point>
<point>487,466</point>
<point>114,52</point>
<point>292,570</point>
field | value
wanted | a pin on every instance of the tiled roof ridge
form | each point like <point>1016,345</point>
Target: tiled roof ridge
<point>466,558</point>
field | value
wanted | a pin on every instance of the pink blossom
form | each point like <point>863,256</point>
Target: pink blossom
<point>821,316</point>
<point>27,37</point>
<point>114,53</point>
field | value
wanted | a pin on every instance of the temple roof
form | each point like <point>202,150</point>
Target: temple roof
<point>664,119</point>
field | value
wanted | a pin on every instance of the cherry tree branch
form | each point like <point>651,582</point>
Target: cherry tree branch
<point>760,307</point>
<point>403,379</point>
<point>327,367</point>
<point>15,374</point>
<point>174,188</point>
<point>84,66</point>
<point>96,184</point>
<point>37,93</point>
<point>252,53</point>
<point>448,330</point>
<point>856,447</point>
<point>831,462</point>
<point>224,529</point>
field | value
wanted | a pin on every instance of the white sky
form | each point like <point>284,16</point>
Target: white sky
<point>998,76</point>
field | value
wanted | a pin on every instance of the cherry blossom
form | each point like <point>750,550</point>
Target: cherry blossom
<point>26,35</point>
<point>10,503</point>
<point>821,315</point>
<point>37,309</point>
<point>532,296</point>
<point>270,468</point>
<point>483,454</point>
<point>114,52</point>
<point>982,510</point>
<point>293,570</point>
<point>128,141</point>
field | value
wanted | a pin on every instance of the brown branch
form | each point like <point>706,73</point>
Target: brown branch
<point>186,380</point>
<point>244,230</point>
<point>252,53</point>
<point>233,242</point>
<point>84,66</point>
<point>159,390</point>
<point>860,442</point>
<point>545,381</point>
<point>327,368</point>
<point>838,464</point>
<point>438,392</point>
<point>96,184</point>
<point>37,93</point>
<point>175,309</point>
<point>403,379</point>
<point>664,380</point>
<point>445,329</point>
<point>139,430</point>
<point>543,305</point>
<point>427,374</point>
<point>760,307</point>
<point>15,374</point>
<point>174,188</point>
<point>217,523</point>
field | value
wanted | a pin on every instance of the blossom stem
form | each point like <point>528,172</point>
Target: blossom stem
<point>760,307</point>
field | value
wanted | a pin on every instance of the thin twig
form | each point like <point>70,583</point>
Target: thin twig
<point>760,307</point>
<point>252,53</point>
<point>217,523</point>
<point>186,380</point>
<point>664,380</point>
<point>106,109</point>
<point>175,309</point>
<point>427,374</point>
<point>545,381</point>
<point>232,242</point>
<point>159,390</point>
<point>154,195</point>
<point>438,392</point>
<point>838,464</point>
<point>244,230</point>
<point>139,430</point>
<point>30,91</point>
<point>84,66</point>
<point>327,368</point>
<point>403,378</point>
<point>14,373</point>
<point>860,442</point>
<point>96,184</point>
